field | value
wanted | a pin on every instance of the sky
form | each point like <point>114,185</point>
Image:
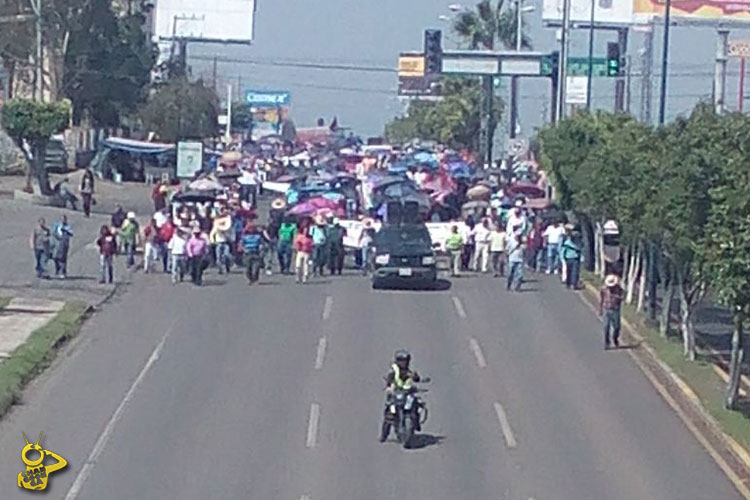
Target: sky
<point>374,32</point>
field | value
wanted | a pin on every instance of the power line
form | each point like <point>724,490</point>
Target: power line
<point>290,64</point>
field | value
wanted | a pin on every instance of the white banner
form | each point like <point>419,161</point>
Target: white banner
<point>607,12</point>
<point>576,89</point>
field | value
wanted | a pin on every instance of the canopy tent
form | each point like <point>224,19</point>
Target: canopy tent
<point>132,160</point>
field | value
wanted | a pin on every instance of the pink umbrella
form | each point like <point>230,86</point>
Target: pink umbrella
<point>320,202</point>
<point>303,209</point>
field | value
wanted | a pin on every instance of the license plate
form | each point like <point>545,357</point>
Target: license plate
<point>404,271</point>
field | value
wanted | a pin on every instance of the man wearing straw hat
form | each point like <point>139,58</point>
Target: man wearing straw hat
<point>610,299</point>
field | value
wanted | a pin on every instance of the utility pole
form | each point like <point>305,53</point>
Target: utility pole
<point>514,79</point>
<point>622,42</point>
<point>229,113</point>
<point>664,63</point>
<point>563,66</point>
<point>213,75</point>
<point>628,81</point>
<point>647,63</point>
<point>36,6</point>
<point>590,69</point>
<point>720,76</point>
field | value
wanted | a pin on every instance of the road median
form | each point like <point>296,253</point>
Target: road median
<point>37,353</point>
<point>693,389</point>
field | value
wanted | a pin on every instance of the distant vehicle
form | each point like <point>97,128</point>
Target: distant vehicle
<point>404,255</point>
<point>377,150</point>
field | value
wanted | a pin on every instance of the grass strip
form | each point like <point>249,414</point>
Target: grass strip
<point>4,301</point>
<point>40,349</point>
<point>699,374</point>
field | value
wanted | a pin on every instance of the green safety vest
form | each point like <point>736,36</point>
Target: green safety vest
<point>398,381</point>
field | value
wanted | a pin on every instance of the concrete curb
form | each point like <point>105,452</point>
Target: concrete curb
<point>738,452</point>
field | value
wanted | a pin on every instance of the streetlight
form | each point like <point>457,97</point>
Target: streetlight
<point>591,56</point>
<point>456,7</point>
<point>520,9</point>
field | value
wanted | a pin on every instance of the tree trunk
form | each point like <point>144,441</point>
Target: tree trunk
<point>642,281</point>
<point>626,267</point>
<point>687,328</point>
<point>633,275</point>
<point>735,363</point>
<point>667,296</point>
<point>42,176</point>
<point>601,267</point>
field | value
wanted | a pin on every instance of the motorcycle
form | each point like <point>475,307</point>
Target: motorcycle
<point>406,413</point>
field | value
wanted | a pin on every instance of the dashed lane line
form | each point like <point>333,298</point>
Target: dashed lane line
<point>510,440</point>
<point>459,307</point>
<point>478,354</point>
<point>321,354</point>
<point>312,425</point>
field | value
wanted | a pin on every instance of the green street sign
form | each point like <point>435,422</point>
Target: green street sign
<point>579,66</point>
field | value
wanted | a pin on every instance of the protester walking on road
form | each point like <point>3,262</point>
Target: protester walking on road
<point>159,196</point>
<point>335,244</point>
<point>220,238</point>
<point>177,247</point>
<point>303,245</point>
<point>610,300</point>
<point>61,235</point>
<point>196,250</point>
<point>454,245</point>
<point>468,243</point>
<point>318,234</point>
<point>515,261</point>
<point>152,244</point>
<point>87,191</point>
<point>107,244</point>
<point>481,258</point>
<point>498,241</point>
<point>40,244</point>
<point>287,232</point>
<point>118,217</point>
<point>166,231</point>
<point>130,233</point>
<point>571,253</point>
<point>366,244</point>
<point>553,236</point>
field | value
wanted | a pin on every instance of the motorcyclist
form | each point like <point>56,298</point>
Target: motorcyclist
<point>399,377</point>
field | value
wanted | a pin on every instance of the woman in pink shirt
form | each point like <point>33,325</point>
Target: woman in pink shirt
<point>303,244</point>
<point>196,250</point>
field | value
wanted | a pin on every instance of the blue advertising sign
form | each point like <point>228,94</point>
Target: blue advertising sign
<point>268,98</point>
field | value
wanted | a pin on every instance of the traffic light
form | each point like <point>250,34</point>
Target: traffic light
<point>613,59</point>
<point>433,51</point>
<point>554,58</point>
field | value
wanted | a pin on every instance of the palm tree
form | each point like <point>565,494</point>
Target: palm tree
<point>489,24</point>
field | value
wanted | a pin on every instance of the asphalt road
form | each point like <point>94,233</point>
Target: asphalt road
<point>229,392</point>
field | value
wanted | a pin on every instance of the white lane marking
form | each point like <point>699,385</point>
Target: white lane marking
<point>510,440</point>
<point>312,425</point>
<point>85,472</point>
<point>327,307</point>
<point>304,497</point>
<point>477,350</point>
<point>320,356</point>
<point>459,307</point>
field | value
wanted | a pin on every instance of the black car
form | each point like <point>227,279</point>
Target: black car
<point>404,255</point>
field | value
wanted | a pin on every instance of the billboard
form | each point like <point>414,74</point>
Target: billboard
<point>268,98</point>
<point>228,21</point>
<point>411,66</point>
<point>606,12</point>
<point>709,11</point>
<point>418,86</point>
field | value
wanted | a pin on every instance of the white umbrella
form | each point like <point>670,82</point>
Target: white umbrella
<point>205,185</point>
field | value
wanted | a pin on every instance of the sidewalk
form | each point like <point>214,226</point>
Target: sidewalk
<point>17,276</point>
<point>20,318</point>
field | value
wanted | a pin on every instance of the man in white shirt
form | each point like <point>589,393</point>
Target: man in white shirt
<point>516,220</point>
<point>177,251</point>
<point>497,250</point>
<point>553,235</point>
<point>482,241</point>
<point>248,182</point>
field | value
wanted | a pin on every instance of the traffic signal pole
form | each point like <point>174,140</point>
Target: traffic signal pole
<point>622,42</point>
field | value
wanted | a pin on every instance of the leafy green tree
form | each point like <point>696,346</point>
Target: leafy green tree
<point>454,120</point>
<point>107,63</point>
<point>726,246</point>
<point>31,124</point>
<point>17,38</point>
<point>182,109</point>
<point>242,117</point>
<point>488,24</point>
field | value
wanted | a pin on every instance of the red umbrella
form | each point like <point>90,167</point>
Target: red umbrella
<point>526,189</point>
<point>321,202</point>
